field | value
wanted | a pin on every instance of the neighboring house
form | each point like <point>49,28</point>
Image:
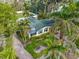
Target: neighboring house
<point>7,1</point>
<point>39,27</point>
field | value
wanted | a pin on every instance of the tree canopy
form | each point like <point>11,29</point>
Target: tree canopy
<point>68,12</point>
<point>7,19</point>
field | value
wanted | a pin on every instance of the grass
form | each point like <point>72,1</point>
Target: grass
<point>37,42</point>
<point>8,51</point>
<point>44,40</point>
<point>1,49</point>
<point>31,47</point>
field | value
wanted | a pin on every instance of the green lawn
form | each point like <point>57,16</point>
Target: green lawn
<point>47,40</point>
<point>31,47</point>
<point>37,42</point>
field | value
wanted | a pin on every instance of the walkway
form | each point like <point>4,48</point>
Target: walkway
<point>19,49</point>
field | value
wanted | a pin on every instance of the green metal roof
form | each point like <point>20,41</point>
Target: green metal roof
<point>38,24</point>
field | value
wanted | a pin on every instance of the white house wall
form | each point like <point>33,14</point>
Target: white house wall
<point>43,32</point>
<point>37,34</point>
<point>45,28</point>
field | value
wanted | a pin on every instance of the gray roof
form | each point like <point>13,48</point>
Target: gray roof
<point>38,24</point>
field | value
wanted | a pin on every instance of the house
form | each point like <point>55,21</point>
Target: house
<point>7,1</point>
<point>39,27</point>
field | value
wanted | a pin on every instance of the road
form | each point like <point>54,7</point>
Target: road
<point>19,49</point>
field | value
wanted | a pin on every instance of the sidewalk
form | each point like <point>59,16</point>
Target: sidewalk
<point>19,49</point>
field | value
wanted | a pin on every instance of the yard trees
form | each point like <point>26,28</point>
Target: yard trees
<point>7,19</point>
<point>18,5</point>
<point>46,4</point>
<point>7,27</point>
<point>65,24</point>
<point>26,9</point>
<point>35,7</point>
<point>66,15</point>
<point>24,28</point>
<point>55,48</point>
<point>8,52</point>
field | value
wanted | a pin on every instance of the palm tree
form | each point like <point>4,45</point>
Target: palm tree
<point>66,16</point>
<point>46,3</point>
<point>7,27</point>
<point>26,9</point>
<point>64,22</point>
<point>56,50</point>
<point>8,51</point>
<point>24,28</point>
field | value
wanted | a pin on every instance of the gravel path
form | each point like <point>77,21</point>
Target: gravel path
<point>19,49</point>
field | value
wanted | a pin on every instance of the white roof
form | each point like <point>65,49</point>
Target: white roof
<point>21,19</point>
<point>19,12</point>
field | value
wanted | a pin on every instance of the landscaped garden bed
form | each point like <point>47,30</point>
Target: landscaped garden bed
<point>48,42</point>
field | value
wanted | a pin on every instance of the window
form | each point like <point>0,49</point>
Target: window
<point>39,32</point>
<point>33,34</point>
<point>46,29</point>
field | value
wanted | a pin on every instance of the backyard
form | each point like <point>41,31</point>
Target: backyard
<point>45,29</point>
